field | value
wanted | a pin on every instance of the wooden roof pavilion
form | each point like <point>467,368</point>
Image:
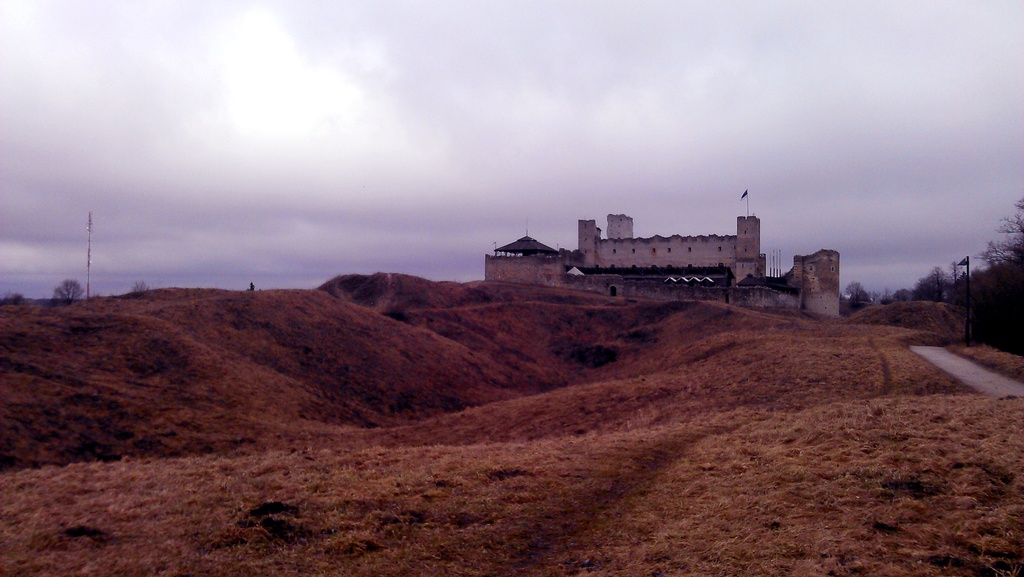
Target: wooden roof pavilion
<point>525,246</point>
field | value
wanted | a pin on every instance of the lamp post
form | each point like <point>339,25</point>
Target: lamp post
<point>967,322</point>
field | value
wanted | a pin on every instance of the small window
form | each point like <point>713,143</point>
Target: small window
<point>613,251</point>
<point>670,249</point>
<point>634,251</point>
<point>719,249</point>
<point>654,251</point>
<point>689,249</point>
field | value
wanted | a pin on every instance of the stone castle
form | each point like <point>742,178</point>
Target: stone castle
<point>725,268</point>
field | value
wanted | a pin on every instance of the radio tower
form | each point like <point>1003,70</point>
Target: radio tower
<point>88,264</point>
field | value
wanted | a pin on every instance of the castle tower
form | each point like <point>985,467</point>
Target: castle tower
<point>620,226</point>
<point>589,235</point>
<point>749,260</point>
<point>817,277</point>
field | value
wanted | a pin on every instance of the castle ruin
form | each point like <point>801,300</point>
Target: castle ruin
<point>725,268</point>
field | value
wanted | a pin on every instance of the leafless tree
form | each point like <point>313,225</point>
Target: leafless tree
<point>933,287</point>
<point>857,295</point>
<point>68,291</point>
<point>902,295</point>
<point>886,297</point>
<point>1011,249</point>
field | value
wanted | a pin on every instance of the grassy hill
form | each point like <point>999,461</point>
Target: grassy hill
<point>387,425</point>
<point>943,320</point>
<point>185,371</point>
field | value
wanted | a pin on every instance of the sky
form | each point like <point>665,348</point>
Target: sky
<point>284,143</point>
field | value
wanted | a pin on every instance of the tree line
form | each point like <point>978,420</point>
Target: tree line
<point>996,284</point>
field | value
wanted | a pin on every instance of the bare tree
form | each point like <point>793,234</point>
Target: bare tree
<point>1011,249</point>
<point>139,286</point>
<point>886,297</point>
<point>997,292</point>
<point>857,294</point>
<point>68,291</point>
<point>933,287</point>
<point>902,295</point>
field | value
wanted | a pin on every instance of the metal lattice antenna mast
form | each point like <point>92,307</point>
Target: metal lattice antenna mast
<point>88,265</point>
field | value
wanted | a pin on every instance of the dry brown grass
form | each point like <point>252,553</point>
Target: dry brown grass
<point>719,442</point>
<point>865,487</point>
<point>942,320</point>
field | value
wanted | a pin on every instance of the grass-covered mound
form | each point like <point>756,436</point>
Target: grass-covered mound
<point>941,319</point>
<point>708,440</point>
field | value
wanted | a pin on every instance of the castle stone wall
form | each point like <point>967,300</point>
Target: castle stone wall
<point>817,277</point>
<point>814,278</point>
<point>589,237</point>
<point>679,251</point>
<point>751,297</point>
<point>749,259</point>
<point>620,226</point>
<point>763,298</point>
<point>538,269</point>
<point>740,252</point>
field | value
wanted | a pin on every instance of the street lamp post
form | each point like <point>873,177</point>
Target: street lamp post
<point>967,322</point>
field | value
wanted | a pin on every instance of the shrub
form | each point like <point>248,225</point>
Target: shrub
<point>12,299</point>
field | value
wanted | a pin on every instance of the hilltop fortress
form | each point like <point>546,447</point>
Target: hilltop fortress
<point>726,268</point>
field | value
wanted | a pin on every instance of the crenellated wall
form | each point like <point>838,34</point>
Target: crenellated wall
<point>740,252</point>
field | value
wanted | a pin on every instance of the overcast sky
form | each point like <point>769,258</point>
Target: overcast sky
<point>283,143</point>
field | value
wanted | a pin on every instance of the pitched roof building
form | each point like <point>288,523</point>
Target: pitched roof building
<point>525,246</point>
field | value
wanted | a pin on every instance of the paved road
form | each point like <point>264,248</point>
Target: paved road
<point>981,380</point>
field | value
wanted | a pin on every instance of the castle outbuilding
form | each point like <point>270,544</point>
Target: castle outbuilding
<point>727,268</point>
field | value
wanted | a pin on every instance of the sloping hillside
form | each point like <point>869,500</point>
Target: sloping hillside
<point>184,371</point>
<point>395,293</point>
<point>490,429</point>
<point>941,319</point>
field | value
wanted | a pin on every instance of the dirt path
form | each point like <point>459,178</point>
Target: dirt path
<point>979,379</point>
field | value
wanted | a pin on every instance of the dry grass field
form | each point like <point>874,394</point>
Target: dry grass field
<point>386,425</point>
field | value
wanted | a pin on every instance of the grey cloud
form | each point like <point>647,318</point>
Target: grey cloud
<point>410,137</point>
